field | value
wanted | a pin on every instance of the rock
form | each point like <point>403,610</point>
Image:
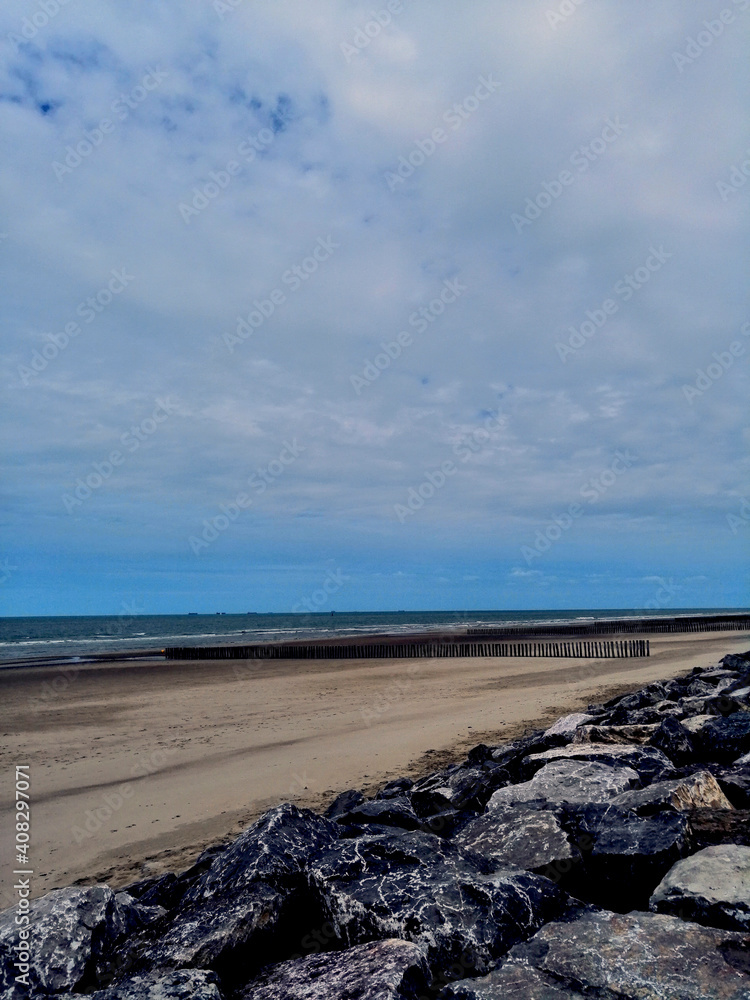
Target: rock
<point>698,791</point>
<point>343,803</point>
<point>615,734</point>
<point>386,812</point>
<point>273,850</point>
<point>743,760</point>
<point>725,738</point>
<point>568,724</point>
<point>696,723</point>
<point>674,741</point>
<point>395,789</point>
<point>195,984</point>
<point>709,827</point>
<point>73,934</point>
<point>529,838</point>
<point>625,856</point>
<point>649,762</point>
<point>724,704</point>
<point>512,983</point>
<point>458,788</point>
<point>162,890</point>
<point>568,781</point>
<point>253,897</point>
<point>423,889</point>
<point>736,661</point>
<point>633,956</point>
<point>379,970</point>
<point>711,887</point>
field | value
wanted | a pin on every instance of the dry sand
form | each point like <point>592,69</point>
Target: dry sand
<point>136,767</point>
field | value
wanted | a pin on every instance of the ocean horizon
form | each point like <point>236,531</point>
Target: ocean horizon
<point>79,636</point>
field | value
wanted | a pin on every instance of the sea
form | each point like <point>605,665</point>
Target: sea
<point>76,638</point>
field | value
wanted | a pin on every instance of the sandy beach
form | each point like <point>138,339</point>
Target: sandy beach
<point>137,766</point>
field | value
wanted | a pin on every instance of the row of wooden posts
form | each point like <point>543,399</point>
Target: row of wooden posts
<point>590,649</point>
<point>651,625</point>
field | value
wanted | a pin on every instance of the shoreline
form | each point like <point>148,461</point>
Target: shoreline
<point>204,747</point>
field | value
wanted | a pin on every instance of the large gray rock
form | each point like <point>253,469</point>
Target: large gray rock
<point>420,888</point>
<point>72,938</point>
<point>379,970</point>
<point>568,781</point>
<point>724,738</point>
<point>395,811</point>
<point>625,856</point>
<point>529,838</point>
<point>697,791</point>
<point>711,887</point>
<point>608,956</point>
<point>648,762</point>
<point>637,735</point>
<point>240,912</point>
<point>185,984</point>
<point>456,788</point>
<point>567,725</point>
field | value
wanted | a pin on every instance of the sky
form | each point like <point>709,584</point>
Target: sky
<point>412,305</point>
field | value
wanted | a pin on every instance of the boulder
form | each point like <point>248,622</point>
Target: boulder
<point>695,723</point>
<point>568,781</point>
<point>649,762</point>
<point>633,956</point>
<point>343,803</point>
<point>195,984</point>
<point>711,887</point>
<point>568,724</point>
<point>698,791</point>
<point>458,788</point>
<point>724,738</point>
<point>625,856</point>
<point>395,789</point>
<point>385,812</point>
<point>736,661</point>
<point>615,734</point>
<point>423,889</point>
<point>252,900</point>
<point>529,838</point>
<point>709,827</point>
<point>379,970</point>
<point>674,741</point>
<point>73,935</point>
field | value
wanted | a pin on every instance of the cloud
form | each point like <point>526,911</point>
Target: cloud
<point>313,136</point>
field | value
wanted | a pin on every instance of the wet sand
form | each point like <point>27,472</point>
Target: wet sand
<point>137,766</point>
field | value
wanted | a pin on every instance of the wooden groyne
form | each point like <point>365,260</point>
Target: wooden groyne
<point>714,623</point>
<point>587,649</point>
